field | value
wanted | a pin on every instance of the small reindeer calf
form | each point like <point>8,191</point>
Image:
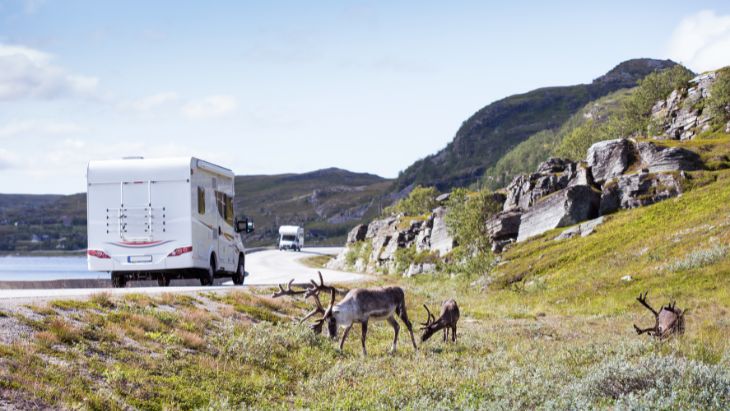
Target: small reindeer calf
<point>448,319</point>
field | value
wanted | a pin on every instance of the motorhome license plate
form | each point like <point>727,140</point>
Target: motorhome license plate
<point>139,259</point>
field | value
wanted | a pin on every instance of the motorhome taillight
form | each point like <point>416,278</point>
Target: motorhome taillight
<point>97,254</point>
<point>181,251</point>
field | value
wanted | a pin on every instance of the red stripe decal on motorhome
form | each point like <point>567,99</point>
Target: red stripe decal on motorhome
<point>140,244</point>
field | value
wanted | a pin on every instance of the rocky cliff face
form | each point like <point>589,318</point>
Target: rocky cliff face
<point>682,116</point>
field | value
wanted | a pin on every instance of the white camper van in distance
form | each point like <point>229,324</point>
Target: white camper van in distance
<point>291,237</point>
<point>163,219</point>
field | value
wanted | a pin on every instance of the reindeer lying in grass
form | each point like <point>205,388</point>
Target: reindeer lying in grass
<point>447,320</point>
<point>360,305</point>
<point>669,320</point>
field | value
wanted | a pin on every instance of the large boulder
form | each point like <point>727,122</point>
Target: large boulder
<point>376,226</point>
<point>560,209</point>
<point>504,225</point>
<point>636,190</point>
<point>380,233</point>
<point>357,234</point>
<point>551,176</point>
<point>661,159</point>
<point>423,239</point>
<point>441,241</point>
<point>610,158</point>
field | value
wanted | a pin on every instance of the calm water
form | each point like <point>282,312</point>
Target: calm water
<point>46,268</point>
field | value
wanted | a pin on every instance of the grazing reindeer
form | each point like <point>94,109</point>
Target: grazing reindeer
<point>361,305</point>
<point>448,319</point>
<point>669,319</point>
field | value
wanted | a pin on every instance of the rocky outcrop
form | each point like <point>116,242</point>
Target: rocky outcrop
<point>611,158</point>
<point>658,159</point>
<point>441,241</point>
<point>357,234</point>
<point>384,237</point>
<point>551,176</point>
<point>636,190</point>
<point>563,208</point>
<point>680,117</point>
<point>503,228</point>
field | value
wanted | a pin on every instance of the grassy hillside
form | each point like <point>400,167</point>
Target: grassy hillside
<point>527,155</point>
<point>494,130</point>
<point>551,327</point>
<point>328,203</point>
<point>42,222</point>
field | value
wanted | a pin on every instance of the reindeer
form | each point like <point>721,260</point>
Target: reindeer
<point>360,305</point>
<point>447,320</point>
<point>669,319</point>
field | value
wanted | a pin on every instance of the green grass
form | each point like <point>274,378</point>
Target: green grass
<point>316,261</point>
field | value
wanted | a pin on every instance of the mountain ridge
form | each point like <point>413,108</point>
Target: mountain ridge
<point>494,129</point>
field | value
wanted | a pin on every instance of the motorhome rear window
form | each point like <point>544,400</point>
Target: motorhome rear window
<point>201,200</point>
<point>289,238</point>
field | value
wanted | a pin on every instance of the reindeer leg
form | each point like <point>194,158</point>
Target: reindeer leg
<point>453,334</point>
<point>364,337</point>
<point>344,335</point>
<point>404,317</point>
<point>391,320</point>
<point>446,334</point>
<point>642,331</point>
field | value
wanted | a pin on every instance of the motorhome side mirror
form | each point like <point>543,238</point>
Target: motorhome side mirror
<point>244,226</point>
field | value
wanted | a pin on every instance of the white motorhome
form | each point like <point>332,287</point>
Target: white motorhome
<point>163,219</point>
<point>291,237</point>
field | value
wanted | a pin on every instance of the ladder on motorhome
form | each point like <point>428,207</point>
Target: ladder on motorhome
<point>136,222</point>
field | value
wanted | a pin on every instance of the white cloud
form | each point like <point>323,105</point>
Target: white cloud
<point>209,107</point>
<point>31,128</point>
<point>151,102</point>
<point>701,41</point>
<point>30,73</point>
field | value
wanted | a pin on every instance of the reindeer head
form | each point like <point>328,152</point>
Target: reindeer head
<point>428,327</point>
<point>328,318</point>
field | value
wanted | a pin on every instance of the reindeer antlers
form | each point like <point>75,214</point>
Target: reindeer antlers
<point>287,291</point>
<point>642,300</point>
<point>312,290</point>
<point>431,317</point>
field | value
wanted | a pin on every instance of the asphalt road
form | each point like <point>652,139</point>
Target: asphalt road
<point>267,267</point>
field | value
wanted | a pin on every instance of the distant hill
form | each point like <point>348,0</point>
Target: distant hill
<point>491,132</point>
<point>326,202</point>
<point>42,222</point>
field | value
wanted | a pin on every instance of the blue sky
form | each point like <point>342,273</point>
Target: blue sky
<point>276,86</point>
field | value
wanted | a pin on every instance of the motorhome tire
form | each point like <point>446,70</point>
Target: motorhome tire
<point>119,280</point>
<point>208,277</point>
<point>240,273</point>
